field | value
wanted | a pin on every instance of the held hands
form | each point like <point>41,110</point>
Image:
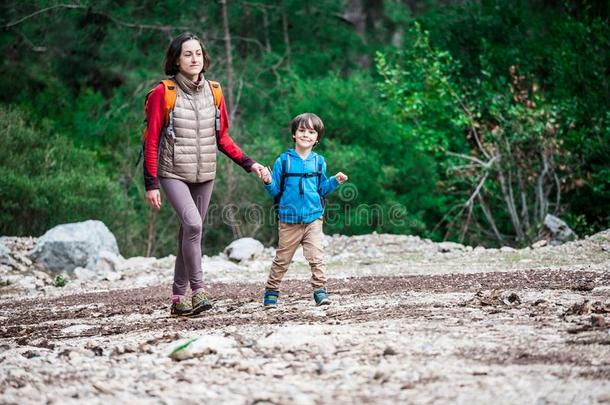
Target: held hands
<point>260,170</point>
<point>153,198</point>
<point>267,176</point>
<point>341,177</point>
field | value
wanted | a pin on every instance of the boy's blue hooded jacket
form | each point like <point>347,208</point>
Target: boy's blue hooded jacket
<point>301,204</point>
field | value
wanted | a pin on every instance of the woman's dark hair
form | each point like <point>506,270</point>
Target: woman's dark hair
<point>309,121</point>
<point>174,49</point>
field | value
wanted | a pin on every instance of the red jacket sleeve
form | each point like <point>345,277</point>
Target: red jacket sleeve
<point>155,112</point>
<point>227,145</point>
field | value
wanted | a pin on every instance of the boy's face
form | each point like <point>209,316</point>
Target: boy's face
<point>305,138</point>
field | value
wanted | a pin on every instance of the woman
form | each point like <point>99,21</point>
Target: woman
<point>180,156</point>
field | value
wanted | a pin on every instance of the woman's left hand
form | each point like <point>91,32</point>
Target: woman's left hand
<point>258,169</point>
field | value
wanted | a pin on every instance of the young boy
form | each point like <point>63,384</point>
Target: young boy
<point>298,185</point>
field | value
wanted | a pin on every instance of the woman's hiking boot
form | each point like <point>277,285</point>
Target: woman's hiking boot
<point>200,303</point>
<point>321,297</point>
<point>270,299</point>
<point>182,307</point>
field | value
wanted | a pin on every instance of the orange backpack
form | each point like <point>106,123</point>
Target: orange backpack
<point>170,101</point>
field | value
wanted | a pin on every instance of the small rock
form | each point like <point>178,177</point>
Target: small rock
<point>389,351</point>
<point>94,347</point>
<point>559,230</point>
<point>30,354</point>
<point>583,308</point>
<point>539,244</point>
<point>604,398</point>
<point>113,276</point>
<point>446,247</point>
<point>511,299</point>
<point>598,321</point>
<point>584,286</point>
<point>27,282</point>
<point>82,273</point>
<point>108,262</point>
<point>75,329</point>
<point>122,349</point>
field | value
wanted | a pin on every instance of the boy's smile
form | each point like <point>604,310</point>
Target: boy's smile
<point>305,138</point>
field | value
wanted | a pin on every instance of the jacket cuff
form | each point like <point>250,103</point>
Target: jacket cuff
<point>151,183</point>
<point>335,182</point>
<point>247,163</point>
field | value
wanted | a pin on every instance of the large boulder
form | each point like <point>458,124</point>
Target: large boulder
<point>244,249</point>
<point>88,244</point>
<point>558,230</point>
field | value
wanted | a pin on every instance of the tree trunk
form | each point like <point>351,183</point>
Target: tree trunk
<point>228,91</point>
<point>228,94</point>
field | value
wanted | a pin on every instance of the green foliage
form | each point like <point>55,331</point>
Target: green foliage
<point>45,180</point>
<point>81,88</point>
<point>362,139</point>
<point>60,281</point>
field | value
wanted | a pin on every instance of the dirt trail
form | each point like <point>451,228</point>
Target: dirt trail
<point>457,335</point>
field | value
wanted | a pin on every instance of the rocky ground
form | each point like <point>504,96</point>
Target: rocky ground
<point>411,321</point>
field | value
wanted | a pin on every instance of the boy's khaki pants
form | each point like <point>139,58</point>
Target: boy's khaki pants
<point>290,237</point>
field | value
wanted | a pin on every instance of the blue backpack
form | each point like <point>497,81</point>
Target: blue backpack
<point>286,173</point>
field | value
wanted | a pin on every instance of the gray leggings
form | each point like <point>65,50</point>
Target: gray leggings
<point>190,201</point>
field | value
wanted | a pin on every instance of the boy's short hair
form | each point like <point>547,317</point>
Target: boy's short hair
<point>310,121</point>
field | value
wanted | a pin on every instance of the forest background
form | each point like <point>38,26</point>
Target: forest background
<point>459,120</point>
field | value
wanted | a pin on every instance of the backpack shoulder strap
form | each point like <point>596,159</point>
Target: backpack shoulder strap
<point>285,168</point>
<point>216,92</point>
<point>319,171</point>
<point>170,97</point>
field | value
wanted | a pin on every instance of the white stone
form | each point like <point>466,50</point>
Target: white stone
<point>27,282</point>
<point>244,249</point>
<point>108,261</point>
<point>559,230</point>
<point>219,263</point>
<point>136,263</point>
<point>446,247</point>
<point>113,276</point>
<point>82,273</point>
<point>75,329</point>
<point>539,244</point>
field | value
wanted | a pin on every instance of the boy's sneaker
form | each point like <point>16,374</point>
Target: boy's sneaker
<point>270,299</point>
<point>200,303</point>
<point>321,297</point>
<point>181,308</point>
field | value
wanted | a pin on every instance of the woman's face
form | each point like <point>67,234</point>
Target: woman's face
<point>190,62</point>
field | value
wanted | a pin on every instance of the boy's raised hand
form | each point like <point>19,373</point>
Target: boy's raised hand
<point>341,177</point>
